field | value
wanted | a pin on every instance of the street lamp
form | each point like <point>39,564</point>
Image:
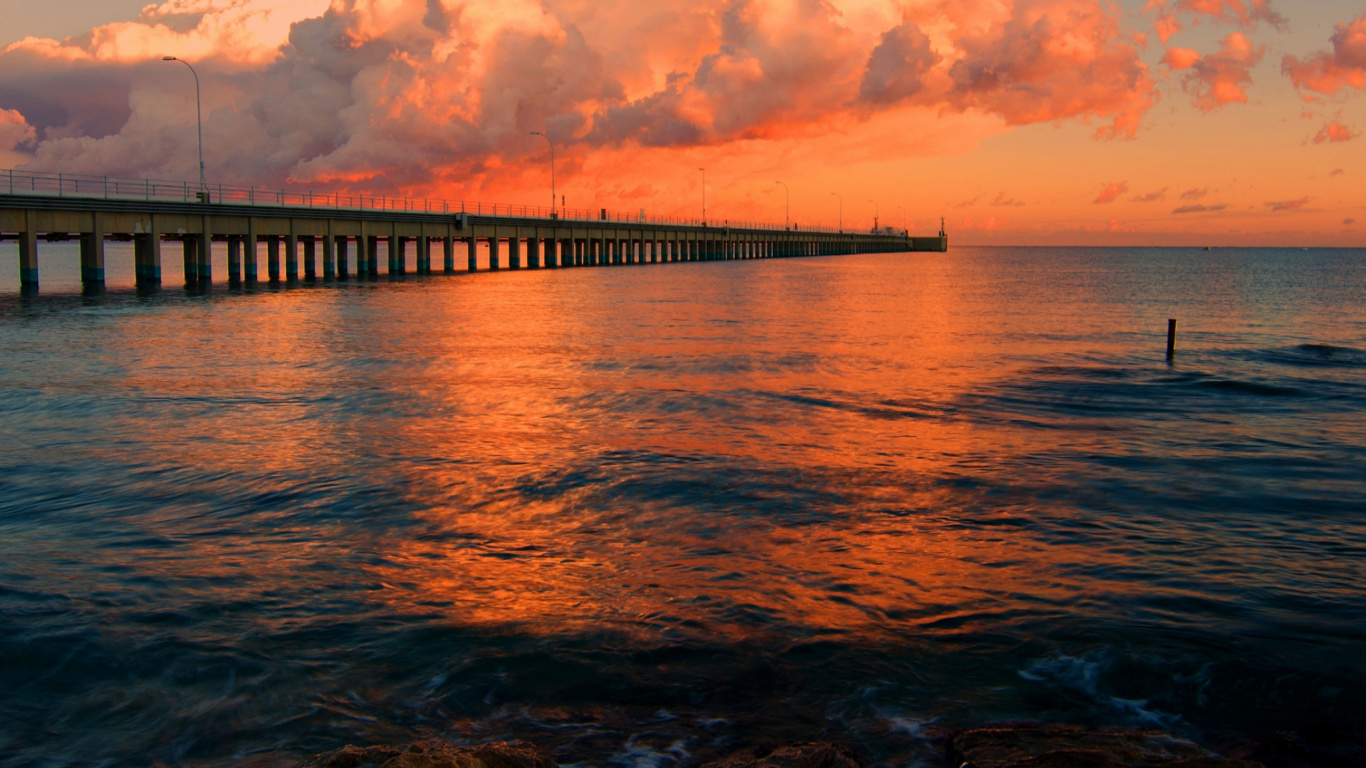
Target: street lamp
<point>199,119</point>
<point>552,170</point>
<point>787,207</point>
<point>704,196</point>
<point>841,211</point>
<point>877,209</point>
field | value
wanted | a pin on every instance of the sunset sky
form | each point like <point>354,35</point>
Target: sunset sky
<point>1200,122</point>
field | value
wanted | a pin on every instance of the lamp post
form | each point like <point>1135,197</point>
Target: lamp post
<point>877,209</point>
<point>787,207</point>
<point>552,170</point>
<point>704,196</point>
<point>199,118</point>
<point>837,197</point>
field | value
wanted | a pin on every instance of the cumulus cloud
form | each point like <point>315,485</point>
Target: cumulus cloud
<point>1334,132</point>
<point>1110,192</point>
<point>1243,12</point>
<point>396,95</point>
<point>1219,78</point>
<point>14,130</point>
<point>1288,205</point>
<point>1332,71</point>
<point>1199,209</point>
<point>1151,197</point>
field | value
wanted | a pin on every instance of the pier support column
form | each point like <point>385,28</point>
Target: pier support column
<point>234,260</point>
<point>92,255</point>
<point>493,253</point>
<point>310,256</point>
<point>28,255</point>
<point>424,255</point>
<point>329,257</point>
<point>147,256</point>
<point>515,252</point>
<point>398,255</point>
<point>472,253</point>
<point>273,258</point>
<point>203,251</point>
<point>249,253</point>
<point>189,247</point>
<point>448,254</point>
<point>533,252</point>
<point>343,243</point>
<point>576,255</point>
<point>291,257</point>
<point>371,257</point>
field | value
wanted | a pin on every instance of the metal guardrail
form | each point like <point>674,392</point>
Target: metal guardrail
<point>117,188</point>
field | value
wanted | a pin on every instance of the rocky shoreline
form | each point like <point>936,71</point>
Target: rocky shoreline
<point>1027,745</point>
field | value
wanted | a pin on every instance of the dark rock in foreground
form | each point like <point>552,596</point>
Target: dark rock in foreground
<point>434,754</point>
<point>1066,746</point>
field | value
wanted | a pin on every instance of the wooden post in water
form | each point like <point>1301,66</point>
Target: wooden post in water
<point>1171,338</point>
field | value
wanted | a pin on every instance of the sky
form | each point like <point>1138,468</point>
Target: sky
<point>1048,122</point>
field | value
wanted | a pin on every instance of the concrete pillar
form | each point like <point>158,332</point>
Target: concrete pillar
<point>28,254</point>
<point>291,257</point>
<point>343,243</point>
<point>147,255</point>
<point>329,256</point>
<point>448,254</point>
<point>189,245</point>
<point>273,258</point>
<point>398,247</point>
<point>472,252</point>
<point>533,252</point>
<point>371,257</point>
<point>234,260</point>
<point>577,255</point>
<point>515,252</point>
<point>308,253</point>
<point>493,253</point>
<point>249,271</point>
<point>92,255</point>
<point>204,254</point>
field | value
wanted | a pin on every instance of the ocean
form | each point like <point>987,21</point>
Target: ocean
<point>646,515</point>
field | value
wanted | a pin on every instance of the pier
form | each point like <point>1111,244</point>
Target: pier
<point>337,236</point>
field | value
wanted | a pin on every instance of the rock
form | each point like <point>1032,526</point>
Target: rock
<point>1067,746</point>
<point>814,754</point>
<point>434,754</point>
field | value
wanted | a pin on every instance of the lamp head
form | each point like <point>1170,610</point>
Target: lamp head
<point>536,133</point>
<point>169,58</point>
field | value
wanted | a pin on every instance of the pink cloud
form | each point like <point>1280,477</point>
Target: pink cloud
<point>1244,12</point>
<point>1219,78</point>
<point>14,130</point>
<point>1334,132</point>
<point>1199,209</point>
<point>1195,194</point>
<point>1110,192</point>
<point>1151,197</point>
<point>1330,72</point>
<point>1288,205</point>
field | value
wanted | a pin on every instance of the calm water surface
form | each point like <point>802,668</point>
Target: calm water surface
<point>646,515</point>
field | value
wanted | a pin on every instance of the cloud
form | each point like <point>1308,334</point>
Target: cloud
<point>1243,12</point>
<point>1050,60</point>
<point>1151,197</point>
<point>1337,172</point>
<point>406,95</point>
<point>14,130</point>
<point>969,203</point>
<point>1005,202</point>
<point>1199,209</point>
<point>1329,72</point>
<point>1195,194</point>
<point>1333,132</point>
<point>1349,222</point>
<point>897,66</point>
<point>1218,78</point>
<point>1110,192</point>
<point>1288,205</point>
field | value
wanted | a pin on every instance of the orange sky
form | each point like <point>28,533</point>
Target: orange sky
<point>1020,121</point>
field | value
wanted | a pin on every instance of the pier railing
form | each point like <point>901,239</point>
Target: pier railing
<point>19,182</point>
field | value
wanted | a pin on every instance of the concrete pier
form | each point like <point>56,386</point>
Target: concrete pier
<point>549,242</point>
